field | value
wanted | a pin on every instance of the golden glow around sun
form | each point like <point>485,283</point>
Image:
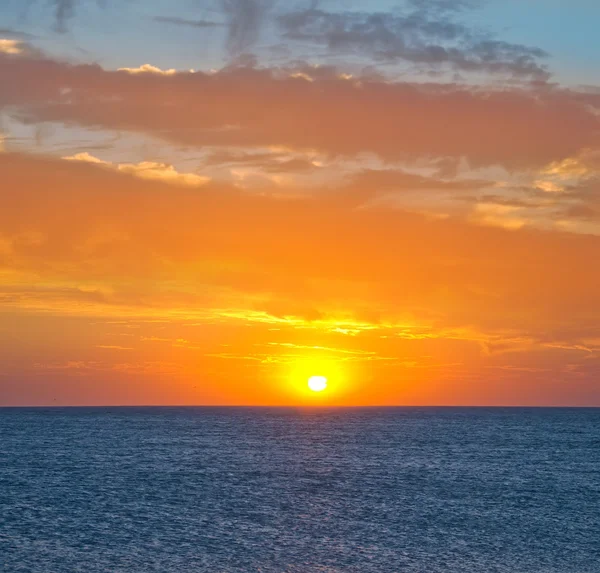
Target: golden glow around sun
<point>317,383</point>
<point>313,379</point>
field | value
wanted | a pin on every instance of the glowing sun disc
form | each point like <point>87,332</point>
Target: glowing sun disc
<point>317,383</point>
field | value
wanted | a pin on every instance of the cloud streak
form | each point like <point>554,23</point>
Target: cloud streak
<point>202,24</point>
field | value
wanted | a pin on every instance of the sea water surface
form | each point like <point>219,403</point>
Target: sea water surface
<point>219,490</point>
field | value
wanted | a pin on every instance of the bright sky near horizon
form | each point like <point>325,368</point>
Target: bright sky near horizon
<point>210,202</point>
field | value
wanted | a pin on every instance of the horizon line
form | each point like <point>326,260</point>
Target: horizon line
<point>304,406</point>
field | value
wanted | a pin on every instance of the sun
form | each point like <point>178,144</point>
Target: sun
<point>315,379</point>
<point>317,383</point>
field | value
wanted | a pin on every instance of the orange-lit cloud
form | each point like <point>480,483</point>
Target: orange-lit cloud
<point>10,47</point>
<point>146,170</point>
<point>239,289</point>
<point>148,69</point>
<point>517,127</point>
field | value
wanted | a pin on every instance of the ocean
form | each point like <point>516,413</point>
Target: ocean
<point>220,490</point>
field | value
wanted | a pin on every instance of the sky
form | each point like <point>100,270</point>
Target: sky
<point>209,202</point>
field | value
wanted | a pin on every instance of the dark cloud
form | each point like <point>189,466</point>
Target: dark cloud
<point>185,22</point>
<point>583,212</point>
<point>10,33</point>
<point>443,6</point>
<point>244,20</point>
<point>64,11</point>
<point>584,199</point>
<point>422,37</point>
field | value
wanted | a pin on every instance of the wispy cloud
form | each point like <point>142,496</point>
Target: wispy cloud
<point>424,36</point>
<point>146,170</point>
<point>244,18</point>
<point>202,24</point>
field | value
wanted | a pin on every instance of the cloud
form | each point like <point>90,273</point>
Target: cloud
<point>148,69</point>
<point>86,157</point>
<point>18,48</point>
<point>244,21</point>
<point>321,348</point>
<point>10,33</point>
<point>64,11</point>
<point>498,215</point>
<point>185,22</point>
<point>146,170</point>
<point>572,184</point>
<point>270,161</point>
<point>233,250</point>
<point>241,106</point>
<point>390,180</point>
<point>444,6</point>
<point>10,47</point>
<point>162,172</point>
<point>423,37</point>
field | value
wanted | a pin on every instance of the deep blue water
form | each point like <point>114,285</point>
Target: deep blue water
<point>288,490</point>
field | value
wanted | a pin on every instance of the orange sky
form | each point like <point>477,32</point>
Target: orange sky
<point>217,237</point>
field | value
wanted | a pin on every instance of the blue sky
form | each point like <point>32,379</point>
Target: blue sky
<point>125,33</point>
